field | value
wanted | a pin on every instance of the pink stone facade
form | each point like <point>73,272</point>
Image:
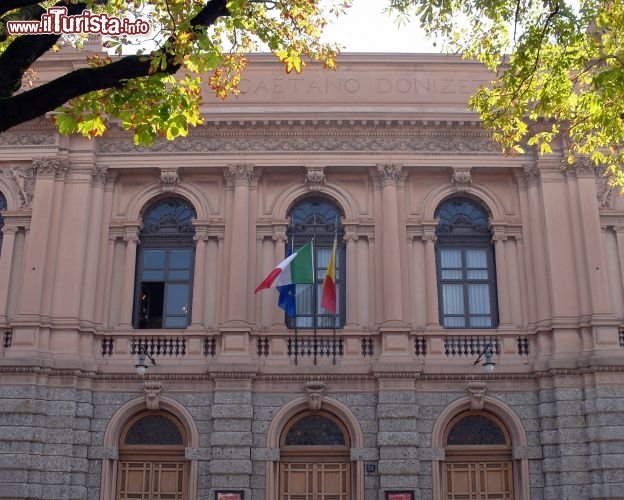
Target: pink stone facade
<point>388,140</point>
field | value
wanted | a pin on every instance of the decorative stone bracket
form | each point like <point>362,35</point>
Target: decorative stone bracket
<point>315,177</point>
<point>476,391</point>
<point>169,178</point>
<point>461,178</point>
<point>152,394</point>
<point>315,390</point>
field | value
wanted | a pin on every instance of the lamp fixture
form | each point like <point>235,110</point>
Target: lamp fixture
<point>141,367</point>
<point>488,353</point>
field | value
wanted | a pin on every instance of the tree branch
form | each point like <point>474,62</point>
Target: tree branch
<point>49,96</point>
<point>8,5</point>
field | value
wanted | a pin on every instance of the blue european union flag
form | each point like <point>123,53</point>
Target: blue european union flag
<point>287,300</point>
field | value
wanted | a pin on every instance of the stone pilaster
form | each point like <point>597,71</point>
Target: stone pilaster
<point>131,237</point>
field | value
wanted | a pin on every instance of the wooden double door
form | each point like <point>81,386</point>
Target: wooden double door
<point>479,480</point>
<point>145,479</point>
<point>315,481</point>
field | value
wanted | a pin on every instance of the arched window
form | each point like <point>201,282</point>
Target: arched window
<point>165,264</point>
<point>3,207</point>
<point>318,220</point>
<point>465,266</point>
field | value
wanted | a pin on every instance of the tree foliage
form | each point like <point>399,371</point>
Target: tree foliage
<point>558,65</point>
<point>155,92</point>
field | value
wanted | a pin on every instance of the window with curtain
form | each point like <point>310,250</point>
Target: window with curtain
<point>3,207</point>
<point>165,262</point>
<point>318,220</point>
<point>465,266</point>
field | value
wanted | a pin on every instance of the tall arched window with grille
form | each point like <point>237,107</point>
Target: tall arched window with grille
<point>165,263</point>
<point>3,207</point>
<point>318,220</point>
<point>465,266</point>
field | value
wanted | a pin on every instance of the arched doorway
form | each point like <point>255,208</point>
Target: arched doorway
<point>478,460</point>
<point>315,459</point>
<point>151,458</point>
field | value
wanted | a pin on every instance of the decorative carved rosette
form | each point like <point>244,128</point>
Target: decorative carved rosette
<point>461,178</point>
<point>240,174</point>
<point>389,174</point>
<point>315,177</point>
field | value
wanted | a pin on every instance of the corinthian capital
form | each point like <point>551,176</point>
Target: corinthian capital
<point>50,167</point>
<point>240,174</point>
<point>389,173</point>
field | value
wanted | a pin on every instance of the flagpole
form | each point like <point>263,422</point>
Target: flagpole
<point>336,308</point>
<point>315,289</point>
<point>292,250</point>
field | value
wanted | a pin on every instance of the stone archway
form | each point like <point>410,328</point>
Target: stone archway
<point>342,456</point>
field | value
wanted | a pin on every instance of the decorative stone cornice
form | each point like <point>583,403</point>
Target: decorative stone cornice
<point>389,174</point>
<point>23,178</point>
<point>315,177</point>
<point>50,167</point>
<point>240,174</point>
<point>461,178</point>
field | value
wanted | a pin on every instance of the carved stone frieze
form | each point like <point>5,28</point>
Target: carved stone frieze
<point>476,391</point>
<point>461,178</point>
<point>152,391</point>
<point>240,174</point>
<point>315,177</point>
<point>23,178</point>
<point>308,138</point>
<point>27,138</point>
<point>315,390</point>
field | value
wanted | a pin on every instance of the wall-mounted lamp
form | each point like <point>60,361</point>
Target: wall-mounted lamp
<point>488,353</point>
<point>141,367</point>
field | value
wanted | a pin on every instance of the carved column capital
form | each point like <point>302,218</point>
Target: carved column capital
<point>315,177</point>
<point>131,235</point>
<point>531,173</point>
<point>50,167</point>
<point>279,234</point>
<point>201,233</point>
<point>99,176</point>
<point>461,178</point>
<point>6,230</point>
<point>389,174</point>
<point>240,174</point>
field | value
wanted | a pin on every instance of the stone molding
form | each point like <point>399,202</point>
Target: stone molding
<point>329,138</point>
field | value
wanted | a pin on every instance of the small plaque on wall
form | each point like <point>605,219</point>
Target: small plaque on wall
<point>399,495</point>
<point>230,495</point>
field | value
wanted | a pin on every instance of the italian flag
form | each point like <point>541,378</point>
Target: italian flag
<point>297,268</point>
<point>328,298</point>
